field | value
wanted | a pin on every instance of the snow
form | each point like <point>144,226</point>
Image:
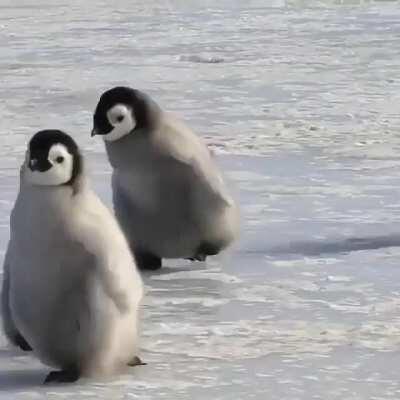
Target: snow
<point>300,102</point>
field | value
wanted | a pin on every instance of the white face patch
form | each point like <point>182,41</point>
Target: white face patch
<point>123,121</point>
<point>60,171</point>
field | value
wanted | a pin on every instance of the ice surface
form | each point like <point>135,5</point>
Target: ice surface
<point>301,102</point>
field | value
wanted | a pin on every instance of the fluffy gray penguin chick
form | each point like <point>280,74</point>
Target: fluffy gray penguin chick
<point>168,194</point>
<point>71,289</point>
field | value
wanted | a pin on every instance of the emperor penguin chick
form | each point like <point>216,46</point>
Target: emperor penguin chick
<point>168,194</point>
<point>71,289</point>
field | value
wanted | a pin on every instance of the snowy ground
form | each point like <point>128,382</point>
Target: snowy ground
<point>301,102</point>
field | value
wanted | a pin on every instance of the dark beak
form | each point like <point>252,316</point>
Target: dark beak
<point>39,165</point>
<point>94,132</point>
<point>33,164</point>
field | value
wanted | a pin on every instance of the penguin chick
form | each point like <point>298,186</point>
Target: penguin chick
<point>168,194</point>
<point>71,287</point>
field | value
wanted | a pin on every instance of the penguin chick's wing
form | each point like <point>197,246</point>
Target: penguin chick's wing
<point>187,154</point>
<point>9,327</point>
<point>100,235</point>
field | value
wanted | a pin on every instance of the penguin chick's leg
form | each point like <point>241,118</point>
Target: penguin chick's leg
<point>146,260</point>
<point>64,376</point>
<point>135,362</point>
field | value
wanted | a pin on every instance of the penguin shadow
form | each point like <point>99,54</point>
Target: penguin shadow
<point>169,268</point>
<point>169,286</point>
<point>347,245</point>
<point>18,378</point>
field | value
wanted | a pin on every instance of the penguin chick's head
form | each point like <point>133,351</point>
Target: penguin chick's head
<point>52,159</point>
<point>120,111</point>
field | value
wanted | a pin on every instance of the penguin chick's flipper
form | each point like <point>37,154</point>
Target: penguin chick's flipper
<point>135,362</point>
<point>22,343</point>
<point>146,260</point>
<point>64,376</point>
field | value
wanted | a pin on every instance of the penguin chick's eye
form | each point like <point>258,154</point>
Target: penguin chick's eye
<point>120,118</point>
<point>59,159</point>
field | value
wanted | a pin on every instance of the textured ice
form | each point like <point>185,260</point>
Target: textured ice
<point>303,112</point>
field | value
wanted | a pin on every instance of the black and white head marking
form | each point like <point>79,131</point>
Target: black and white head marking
<point>120,111</point>
<point>52,159</point>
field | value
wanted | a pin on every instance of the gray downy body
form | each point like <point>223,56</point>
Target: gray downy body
<point>62,298</point>
<point>169,196</point>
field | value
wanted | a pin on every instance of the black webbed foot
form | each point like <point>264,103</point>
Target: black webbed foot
<point>209,249</point>
<point>20,341</point>
<point>204,250</point>
<point>198,257</point>
<point>65,376</point>
<point>135,362</point>
<point>146,260</point>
